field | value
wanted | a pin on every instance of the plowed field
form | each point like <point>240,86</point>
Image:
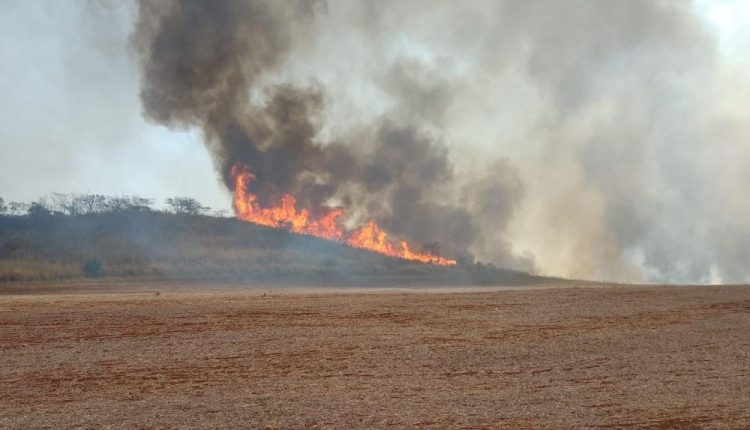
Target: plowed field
<point>624,357</point>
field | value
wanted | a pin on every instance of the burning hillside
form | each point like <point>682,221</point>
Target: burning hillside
<point>284,214</point>
<point>386,185</point>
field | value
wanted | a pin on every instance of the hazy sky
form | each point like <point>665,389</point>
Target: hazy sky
<point>72,121</point>
<point>71,112</point>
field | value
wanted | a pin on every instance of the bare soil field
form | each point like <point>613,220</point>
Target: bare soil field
<point>621,357</point>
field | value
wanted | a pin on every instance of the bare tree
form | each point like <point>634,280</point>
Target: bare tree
<point>18,208</point>
<point>65,203</point>
<point>141,204</point>
<point>186,206</point>
<point>221,213</point>
<point>117,204</point>
<point>91,203</point>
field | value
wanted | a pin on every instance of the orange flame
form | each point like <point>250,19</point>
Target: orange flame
<point>285,215</point>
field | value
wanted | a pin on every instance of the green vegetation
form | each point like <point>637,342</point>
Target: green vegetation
<point>92,268</point>
<point>96,236</point>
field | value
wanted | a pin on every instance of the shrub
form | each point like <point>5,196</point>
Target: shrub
<point>92,268</point>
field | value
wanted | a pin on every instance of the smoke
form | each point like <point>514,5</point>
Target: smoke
<point>591,139</point>
<point>211,65</point>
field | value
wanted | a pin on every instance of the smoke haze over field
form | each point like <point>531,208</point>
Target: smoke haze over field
<point>596,139</point>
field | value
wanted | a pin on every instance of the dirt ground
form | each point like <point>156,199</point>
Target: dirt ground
<point>623,357</point>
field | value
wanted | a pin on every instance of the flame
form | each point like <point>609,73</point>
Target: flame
<point>285,215</point>
<point>373,238</point>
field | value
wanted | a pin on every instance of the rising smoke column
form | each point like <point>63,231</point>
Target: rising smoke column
<point>214,65</point>
<point>626,127</point>
<point>202,60</point>
<point>603,140</point>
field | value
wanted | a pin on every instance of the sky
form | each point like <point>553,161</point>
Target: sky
<point>651,143</point>
<point>72,116</point>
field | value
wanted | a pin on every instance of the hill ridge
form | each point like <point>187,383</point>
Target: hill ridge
<point>158,245</point>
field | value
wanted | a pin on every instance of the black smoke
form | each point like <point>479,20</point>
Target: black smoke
<point>213,65</point>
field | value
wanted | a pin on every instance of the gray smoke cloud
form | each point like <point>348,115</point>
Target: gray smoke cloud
<point>202,62</point>
<point>595,139</point>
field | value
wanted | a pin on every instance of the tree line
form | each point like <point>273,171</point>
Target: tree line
<point>89,204</point>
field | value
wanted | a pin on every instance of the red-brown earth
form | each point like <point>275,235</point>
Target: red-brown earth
<point>560,357</point>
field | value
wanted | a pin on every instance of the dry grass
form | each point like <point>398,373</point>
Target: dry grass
<point>166,246</point>
<point>34,270</point>
<point>546,358</point>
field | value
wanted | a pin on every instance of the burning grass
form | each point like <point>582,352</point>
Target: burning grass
<point>285,215</point>
<point>156,245</point>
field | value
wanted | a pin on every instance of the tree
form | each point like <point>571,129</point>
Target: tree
<point>18,208</point>
<point>128,204</point>
<point>141,204</point>
<point>186,206</point>
<point>38,209</point>
<point>65,203</point>
<point>465,260</point>
<point>91,203</point>
<point>221,213</point>
<point>3,207</point>
<point>92,268</point>
<point>117,204</point>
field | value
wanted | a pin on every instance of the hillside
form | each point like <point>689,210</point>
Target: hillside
<point>156,245</point>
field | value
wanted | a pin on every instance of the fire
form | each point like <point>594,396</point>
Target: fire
<point>372,237</point>
<point>284,214</point>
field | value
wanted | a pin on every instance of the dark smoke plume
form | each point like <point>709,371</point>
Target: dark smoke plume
<point>214,65</point>
<point>595,139</point>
